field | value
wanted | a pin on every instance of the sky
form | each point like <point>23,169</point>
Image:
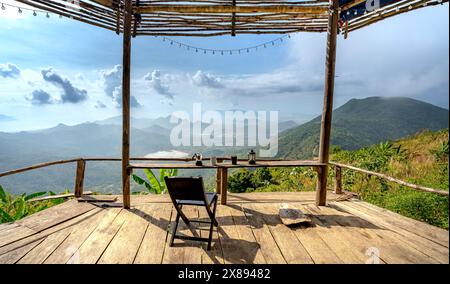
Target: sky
<point>56,70</point>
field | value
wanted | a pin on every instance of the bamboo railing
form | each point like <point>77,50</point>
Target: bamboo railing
<point>338,179</point>
<point>221,177</point>
<point>81,166</point>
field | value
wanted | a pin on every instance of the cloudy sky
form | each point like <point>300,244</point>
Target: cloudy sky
<point>56,70</point>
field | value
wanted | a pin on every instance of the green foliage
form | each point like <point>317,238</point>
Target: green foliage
<point>241,181</point>
<point>15,207</point>
<point>273,179</point>
<point>420,159</point>
<point>153,184</point>
<point>441,153</point>
<point>422,206</point>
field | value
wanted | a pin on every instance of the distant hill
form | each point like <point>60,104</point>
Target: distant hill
<point>95,139</point>
<point>363,122</point>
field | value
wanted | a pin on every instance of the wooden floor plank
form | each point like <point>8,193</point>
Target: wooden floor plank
<point>235,250</point>
<point>40,253</point>
<point>14,234</point>
<point>185,251</point>
<point>215,255</point>
<point>416,242</point>
<point>263,235</point>
<point>193,250</point>
<point>284,236</point>
<point>371,239</point>
<point>424,230</point>
<point>43,234</point>
<point>15,255</point>
<point>245,233</point>
<point>330,234</point>
<point>72,243</point>
<point>125,244</point>
<point>154,242</point>
<point>317,248</point>
<point>250,231</point>
<point>94,246</point>
<point>55,215</point>
<point>175,254</point>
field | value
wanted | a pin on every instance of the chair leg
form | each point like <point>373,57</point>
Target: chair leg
<point>213,223</point>
<point>174,230</point>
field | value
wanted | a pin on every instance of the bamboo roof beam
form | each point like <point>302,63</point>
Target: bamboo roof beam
<point>233,9</point>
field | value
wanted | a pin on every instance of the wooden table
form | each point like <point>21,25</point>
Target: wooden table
<point>222,169</point>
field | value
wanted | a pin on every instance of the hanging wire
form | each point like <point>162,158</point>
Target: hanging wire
<point>247,49</point>
<point>21,9</point>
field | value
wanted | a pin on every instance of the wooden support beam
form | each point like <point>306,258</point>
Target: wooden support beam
<point>325,126</point>
<point>232,9</point>
<point>218,178</point>
<point>233,20</point>
<point>79,179</point>
<point>337,180</point>
<point>223,187</point>
<point>126,103</point>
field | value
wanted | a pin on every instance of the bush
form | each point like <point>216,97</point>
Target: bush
<point>241,181</point>
<point>422,206</point>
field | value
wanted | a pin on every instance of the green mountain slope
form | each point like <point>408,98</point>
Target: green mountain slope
<point>363,122</point>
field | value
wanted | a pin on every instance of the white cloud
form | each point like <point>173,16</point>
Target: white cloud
<point>112,86</point>
<point>9,70</point>
<point>70,94</point>
<point>40,97</point>
<point>159,83</point>
<point>203,79</point>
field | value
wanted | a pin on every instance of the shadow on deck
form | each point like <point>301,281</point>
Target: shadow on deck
<point>250,231</point>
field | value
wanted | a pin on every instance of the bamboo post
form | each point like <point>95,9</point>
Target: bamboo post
<point>337,180</point>
<point>126,103</point>
<point>223,187</point>
<point>79,178</point>
<point>218,178</point>
<point>325,126</point>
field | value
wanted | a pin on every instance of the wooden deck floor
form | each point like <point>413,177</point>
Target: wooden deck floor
<point>250,231</point>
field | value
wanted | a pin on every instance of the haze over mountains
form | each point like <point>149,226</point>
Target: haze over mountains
<point>359,122</point>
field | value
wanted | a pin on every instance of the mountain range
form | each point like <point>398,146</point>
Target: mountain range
<point>358,123</point>
<point>363,122</point>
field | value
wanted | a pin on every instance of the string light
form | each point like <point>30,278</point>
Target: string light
<point>34,12</point>
<point>224,51</point>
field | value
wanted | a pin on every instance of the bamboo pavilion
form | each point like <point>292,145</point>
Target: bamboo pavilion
<point>206,18</point>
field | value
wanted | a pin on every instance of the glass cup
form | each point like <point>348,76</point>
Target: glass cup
<point>213,161</point>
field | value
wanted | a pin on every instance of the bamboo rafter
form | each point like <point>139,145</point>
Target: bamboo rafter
<point>222,17</point>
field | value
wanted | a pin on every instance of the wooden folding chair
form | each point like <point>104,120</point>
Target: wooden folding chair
<point>189,191</point>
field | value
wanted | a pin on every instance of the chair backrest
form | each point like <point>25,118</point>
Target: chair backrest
<point>185,188</point>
